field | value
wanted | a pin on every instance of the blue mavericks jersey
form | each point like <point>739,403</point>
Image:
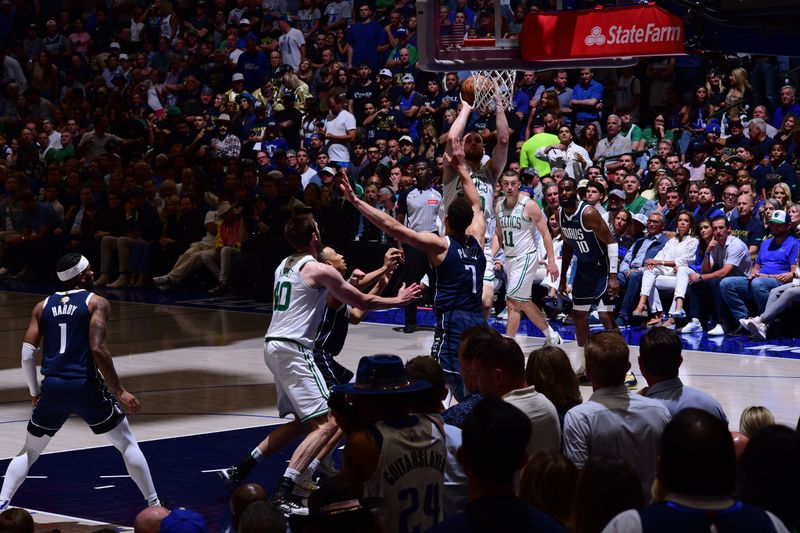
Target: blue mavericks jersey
<point>459,279</point>
<point>585,244</point>
<point>64,326</point>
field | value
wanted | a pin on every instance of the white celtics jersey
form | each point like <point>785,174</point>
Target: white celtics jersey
<point>410,475</point>
<point>296,307</point>
<point>519,232</point>
<point>485,184</point>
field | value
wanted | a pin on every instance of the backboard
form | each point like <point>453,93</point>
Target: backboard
<point>447,41</point>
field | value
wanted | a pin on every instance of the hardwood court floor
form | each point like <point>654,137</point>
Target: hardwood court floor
<point>199,370</point>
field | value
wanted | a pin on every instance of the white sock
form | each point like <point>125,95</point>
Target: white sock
<point>257,455</point>
<point>550,333</point>
<point>292,474</point>
<point>307,475</point>
<point>123,440</point>
<point>581,359</point>
<point>19,465</point>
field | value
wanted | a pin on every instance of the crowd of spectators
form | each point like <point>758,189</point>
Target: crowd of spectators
<point>172,140</point>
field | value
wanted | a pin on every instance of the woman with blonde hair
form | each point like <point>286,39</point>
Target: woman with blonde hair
<point>783,194</point>
<point>739,92</point>
<point>428,144</point>
<point>753,419</point>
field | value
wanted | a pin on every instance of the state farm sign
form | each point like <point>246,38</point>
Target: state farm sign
<point>632,31</point>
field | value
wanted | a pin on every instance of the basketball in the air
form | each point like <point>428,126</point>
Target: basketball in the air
<point>468,90</point>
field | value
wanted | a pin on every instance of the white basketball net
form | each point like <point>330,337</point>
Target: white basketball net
<point>493,88</point>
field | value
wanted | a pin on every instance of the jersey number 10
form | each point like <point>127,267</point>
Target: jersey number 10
<point>282,296</point>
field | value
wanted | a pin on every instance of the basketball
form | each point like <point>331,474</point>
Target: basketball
<point>468,90</point>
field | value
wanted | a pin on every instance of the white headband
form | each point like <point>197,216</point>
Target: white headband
<point>71,272</point>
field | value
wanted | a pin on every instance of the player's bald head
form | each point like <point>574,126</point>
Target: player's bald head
<point>149,520</point>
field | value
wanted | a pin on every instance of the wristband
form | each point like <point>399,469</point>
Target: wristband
<point>613,257</point>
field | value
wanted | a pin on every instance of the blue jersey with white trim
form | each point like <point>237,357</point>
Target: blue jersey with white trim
<point>64,326</point>
<point>459,279</point>
<point>585,244</point>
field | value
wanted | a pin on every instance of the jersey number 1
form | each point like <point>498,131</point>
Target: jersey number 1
<point>282,296</point>
<point>62,347</point>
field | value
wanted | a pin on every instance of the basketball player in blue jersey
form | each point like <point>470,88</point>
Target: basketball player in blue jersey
<point>458,258</point>
<point>484,176</point>
<point>586,235</point>
<point>79,378</point>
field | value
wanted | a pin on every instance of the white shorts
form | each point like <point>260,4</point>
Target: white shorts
<point>521,271</point>
<point>299,385</point>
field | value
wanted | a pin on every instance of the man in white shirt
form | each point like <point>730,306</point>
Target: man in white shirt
<point>613,144</point>
<point>613,421</point>
<point>500,373</point>
<point>291,44</point>
<point>340,131</point>
<point>574,159</point>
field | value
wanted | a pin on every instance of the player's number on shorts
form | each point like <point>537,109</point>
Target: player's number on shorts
<point>62,347</point>
<point>583,247</point>
<point>474,275</point>
<point>508,237</point>
<point>282,296</point>
<point>430,507</point>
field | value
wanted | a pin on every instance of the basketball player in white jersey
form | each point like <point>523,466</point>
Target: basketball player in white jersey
<point>520,226</point>
<point>485,176</point>
<point>302,284</point>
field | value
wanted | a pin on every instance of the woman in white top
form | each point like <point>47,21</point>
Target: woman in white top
<point>660,271</point>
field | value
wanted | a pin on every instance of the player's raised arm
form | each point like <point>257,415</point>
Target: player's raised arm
<point>497,163</point>
<point>457,160</point>
<point>456,132</point>
<point>98,326</point>
<point>322,275</point>
<point>30,344</point>
<point>431,244</point>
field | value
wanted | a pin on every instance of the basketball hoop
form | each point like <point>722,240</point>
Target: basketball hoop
<point>493,88</point>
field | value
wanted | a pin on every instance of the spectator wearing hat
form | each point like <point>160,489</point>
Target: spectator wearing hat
<point>340,131</point>
<point>775,265</point>
<point>381,434</point>
<point>237,88</point>
<point>225,144</point>
<point>230,236</point>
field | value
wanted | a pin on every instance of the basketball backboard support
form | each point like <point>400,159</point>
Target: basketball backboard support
<point>446,46</point>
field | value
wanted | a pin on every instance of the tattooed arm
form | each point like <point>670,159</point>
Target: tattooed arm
<point>102,356</point>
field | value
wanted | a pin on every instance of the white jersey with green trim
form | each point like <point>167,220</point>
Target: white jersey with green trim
<point>296,307</point>
<point>519,232</point>
<point>484,182</point>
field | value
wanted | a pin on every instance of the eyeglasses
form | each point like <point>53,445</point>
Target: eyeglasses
<point>730,195</point>
<point>654,222</point>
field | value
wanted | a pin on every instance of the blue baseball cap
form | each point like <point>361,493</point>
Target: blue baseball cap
<point>183,521</point>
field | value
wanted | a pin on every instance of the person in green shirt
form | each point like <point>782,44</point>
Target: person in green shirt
<point>539,139</point>
<point>67,150</point>
<point>634,202</point>
<point>656,132</point>
<point>631,131</point>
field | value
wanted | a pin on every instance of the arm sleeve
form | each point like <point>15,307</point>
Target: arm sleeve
<point>29,368</point>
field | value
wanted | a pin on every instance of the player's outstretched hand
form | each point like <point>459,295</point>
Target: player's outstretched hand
<point>356,277</point>
<point>456,157</point>
<point>346,189</point>
<point>130,402</point>
<point>410,293</point>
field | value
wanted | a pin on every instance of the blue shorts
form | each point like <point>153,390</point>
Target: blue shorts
<point>452,324</point>
<point>89,399</point>
<point>590,284</point>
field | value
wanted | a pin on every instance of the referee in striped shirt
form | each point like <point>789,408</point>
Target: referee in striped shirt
<point>418,208</point>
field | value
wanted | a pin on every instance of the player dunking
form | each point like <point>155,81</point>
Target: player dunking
<point>586,235</point>
<point>71,326</point>
<point>520,225</point>
<point>302,284</point>
<point>484,176</point>
<point>458,258</point>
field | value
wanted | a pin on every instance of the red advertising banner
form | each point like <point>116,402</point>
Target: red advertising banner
<point>631,31</point>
